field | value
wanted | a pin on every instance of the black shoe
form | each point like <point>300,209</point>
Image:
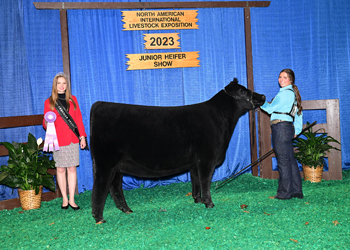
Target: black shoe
<point>74,208</point>
<point>278,198</point>
<point>64,207</point>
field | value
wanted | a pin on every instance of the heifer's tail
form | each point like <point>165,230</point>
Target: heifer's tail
<point>258,160</point>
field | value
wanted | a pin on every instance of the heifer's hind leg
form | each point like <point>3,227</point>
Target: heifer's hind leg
<point>196,188</point>
<point>102,181</point>
<point>116,191</point>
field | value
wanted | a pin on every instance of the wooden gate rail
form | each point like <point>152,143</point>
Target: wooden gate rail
<point>332,128</point>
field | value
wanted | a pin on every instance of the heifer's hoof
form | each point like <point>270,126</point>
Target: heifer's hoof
<point>197,200</point>
<point>101,222</point>
<point>126,210</point>
<point>210,205</point>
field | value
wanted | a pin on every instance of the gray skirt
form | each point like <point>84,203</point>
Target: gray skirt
<point>67,156</point>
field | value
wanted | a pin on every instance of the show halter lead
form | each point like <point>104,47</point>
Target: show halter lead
<point>51,136</point>
<point>260,159</point>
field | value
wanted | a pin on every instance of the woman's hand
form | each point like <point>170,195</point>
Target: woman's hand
<point>82,142</point>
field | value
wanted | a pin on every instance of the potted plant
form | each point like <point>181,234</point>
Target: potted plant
<point>312,148</point>
<point>27,170</point>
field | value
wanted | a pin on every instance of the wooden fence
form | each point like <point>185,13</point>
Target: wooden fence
<point>332,128</point>
<point>23,121</point>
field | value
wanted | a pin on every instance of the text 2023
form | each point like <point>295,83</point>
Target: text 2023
<point>162,41</point>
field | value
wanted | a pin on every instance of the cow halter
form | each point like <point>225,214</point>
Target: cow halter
<point>250,100</point>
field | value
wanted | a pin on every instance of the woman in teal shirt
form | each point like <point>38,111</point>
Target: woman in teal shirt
<point>286,123</point>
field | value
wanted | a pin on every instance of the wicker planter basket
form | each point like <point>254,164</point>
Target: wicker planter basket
<point>29,200</point>
<point>313,174</point>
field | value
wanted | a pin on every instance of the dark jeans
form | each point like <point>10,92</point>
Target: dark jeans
<point>289,183</point>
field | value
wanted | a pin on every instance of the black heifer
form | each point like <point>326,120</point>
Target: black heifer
<point>153,142</point>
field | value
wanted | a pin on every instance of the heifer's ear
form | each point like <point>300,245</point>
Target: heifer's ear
<point>232,86</point>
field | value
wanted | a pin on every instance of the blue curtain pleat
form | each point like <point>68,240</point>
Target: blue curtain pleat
<point>310,37</point>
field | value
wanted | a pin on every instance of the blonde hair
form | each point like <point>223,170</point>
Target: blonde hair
<point>291,76</point>
<point>54,92</point>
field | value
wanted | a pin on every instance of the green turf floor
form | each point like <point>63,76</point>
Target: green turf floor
<point>167,218</point>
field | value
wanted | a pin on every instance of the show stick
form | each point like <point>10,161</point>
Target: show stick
<point>260,159</point>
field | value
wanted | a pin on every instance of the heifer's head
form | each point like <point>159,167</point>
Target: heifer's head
<point>246,97</point>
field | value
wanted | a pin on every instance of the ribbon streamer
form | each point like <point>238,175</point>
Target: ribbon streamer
<point>51,136</point>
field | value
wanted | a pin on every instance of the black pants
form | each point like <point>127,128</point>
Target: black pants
<point>289,183</point>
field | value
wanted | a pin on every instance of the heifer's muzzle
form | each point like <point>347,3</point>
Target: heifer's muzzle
<point>258,99</point>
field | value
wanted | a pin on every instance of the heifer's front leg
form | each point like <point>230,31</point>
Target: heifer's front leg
<point>205,174</point>
<point>196,188</point>
<point>116,191</point>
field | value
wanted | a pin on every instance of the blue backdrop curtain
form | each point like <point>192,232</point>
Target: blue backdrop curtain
<point>310,37</point>
<point>313,39</point>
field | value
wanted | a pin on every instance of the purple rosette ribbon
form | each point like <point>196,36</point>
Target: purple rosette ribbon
<point>51,136</point>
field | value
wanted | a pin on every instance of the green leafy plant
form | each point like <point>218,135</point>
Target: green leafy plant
<point>27,166</point>
<point>312,149</point>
